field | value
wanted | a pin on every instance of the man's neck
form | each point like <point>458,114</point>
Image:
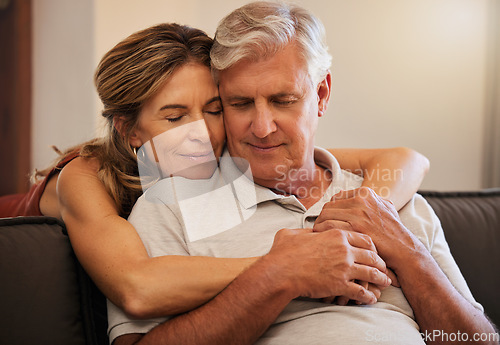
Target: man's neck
<point>307,185</point>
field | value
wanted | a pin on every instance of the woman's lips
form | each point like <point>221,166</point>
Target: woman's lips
<point>198,156</point>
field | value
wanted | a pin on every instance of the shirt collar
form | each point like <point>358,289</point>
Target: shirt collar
<point>247,192</point>
<point>250,194</point>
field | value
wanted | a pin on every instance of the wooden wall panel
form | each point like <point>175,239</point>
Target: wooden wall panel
<point>15,95</point>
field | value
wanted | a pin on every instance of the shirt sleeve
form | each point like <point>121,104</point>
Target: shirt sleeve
<point>120,324</point>
<point>160,229</point>
<point>159,226</point>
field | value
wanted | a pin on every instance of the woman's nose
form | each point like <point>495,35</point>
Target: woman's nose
<point>198,131</point>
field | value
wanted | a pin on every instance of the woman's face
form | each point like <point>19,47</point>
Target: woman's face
<point>181,129</point>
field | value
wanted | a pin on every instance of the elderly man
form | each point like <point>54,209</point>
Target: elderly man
<point>272,68</point>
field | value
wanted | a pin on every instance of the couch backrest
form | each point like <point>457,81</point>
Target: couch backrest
<point>46,297</point>
<point>471,223</point>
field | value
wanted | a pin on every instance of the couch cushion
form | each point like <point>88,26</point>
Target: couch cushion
<point>45,296</point>
<point>471,223</point>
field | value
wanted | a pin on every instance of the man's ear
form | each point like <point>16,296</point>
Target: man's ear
<point>134,139</point>
<point>324,91</point>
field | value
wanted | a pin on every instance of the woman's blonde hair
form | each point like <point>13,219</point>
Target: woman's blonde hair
<point>127,77</point>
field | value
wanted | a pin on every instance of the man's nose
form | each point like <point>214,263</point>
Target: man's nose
<point>263,122</point>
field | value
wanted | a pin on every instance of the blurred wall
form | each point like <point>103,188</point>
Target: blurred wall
<point>405,73</point>
<point>63,64</point>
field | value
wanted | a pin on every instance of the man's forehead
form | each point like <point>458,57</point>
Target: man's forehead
<point>273,91</point>
<point>285,66</point>
<point>250,80</point>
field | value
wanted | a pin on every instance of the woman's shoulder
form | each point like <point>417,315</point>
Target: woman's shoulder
<point>80,189</point>
<point>81,165</point>
<point>79,172</point>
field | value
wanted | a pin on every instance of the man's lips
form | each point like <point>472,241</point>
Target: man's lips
<point>264,147</point>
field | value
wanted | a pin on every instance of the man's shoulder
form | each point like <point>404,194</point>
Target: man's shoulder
<point>161,192</point>
<point>419,217</point>
<point>418,206</point>
<point>154,204</point>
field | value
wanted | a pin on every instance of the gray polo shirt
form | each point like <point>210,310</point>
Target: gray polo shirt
<point>229,216</point>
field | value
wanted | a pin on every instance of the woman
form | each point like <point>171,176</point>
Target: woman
<point>98,183</point>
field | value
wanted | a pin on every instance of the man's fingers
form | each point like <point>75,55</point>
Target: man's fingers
<point>285,232</point>
<point>296,231</point>
<point>342,300</point>
<point>328,300</point>
<point>371,275</point>
<point>320,226</point>
<point>369,287</point>
<point>394,279</point>
<point>344,194</point>
<point>359,240</point>
<point>357,292</point>
<point>377,291</point>
<point>369,258</point>
<point>338,214</point>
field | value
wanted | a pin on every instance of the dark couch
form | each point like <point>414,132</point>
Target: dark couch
<point>46,297</point>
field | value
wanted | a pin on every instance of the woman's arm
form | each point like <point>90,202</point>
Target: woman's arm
<point>394,173</point>
<point>114,256</point>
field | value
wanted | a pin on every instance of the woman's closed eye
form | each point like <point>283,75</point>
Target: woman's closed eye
<point>174,118</point>
<point>214,112</point>
<point>213,108</point>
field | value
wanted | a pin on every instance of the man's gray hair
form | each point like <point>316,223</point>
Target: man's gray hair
<point>262,28</point>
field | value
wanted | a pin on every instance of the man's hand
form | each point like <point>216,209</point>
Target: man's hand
<point>428,290</point>
<point>363,211</point>
<point>300,263</point>
<point>324,223</point>
<point>319,265</point>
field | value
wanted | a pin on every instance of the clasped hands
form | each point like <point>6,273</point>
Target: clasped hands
<point>347,253</point>
<point>364,212</point>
